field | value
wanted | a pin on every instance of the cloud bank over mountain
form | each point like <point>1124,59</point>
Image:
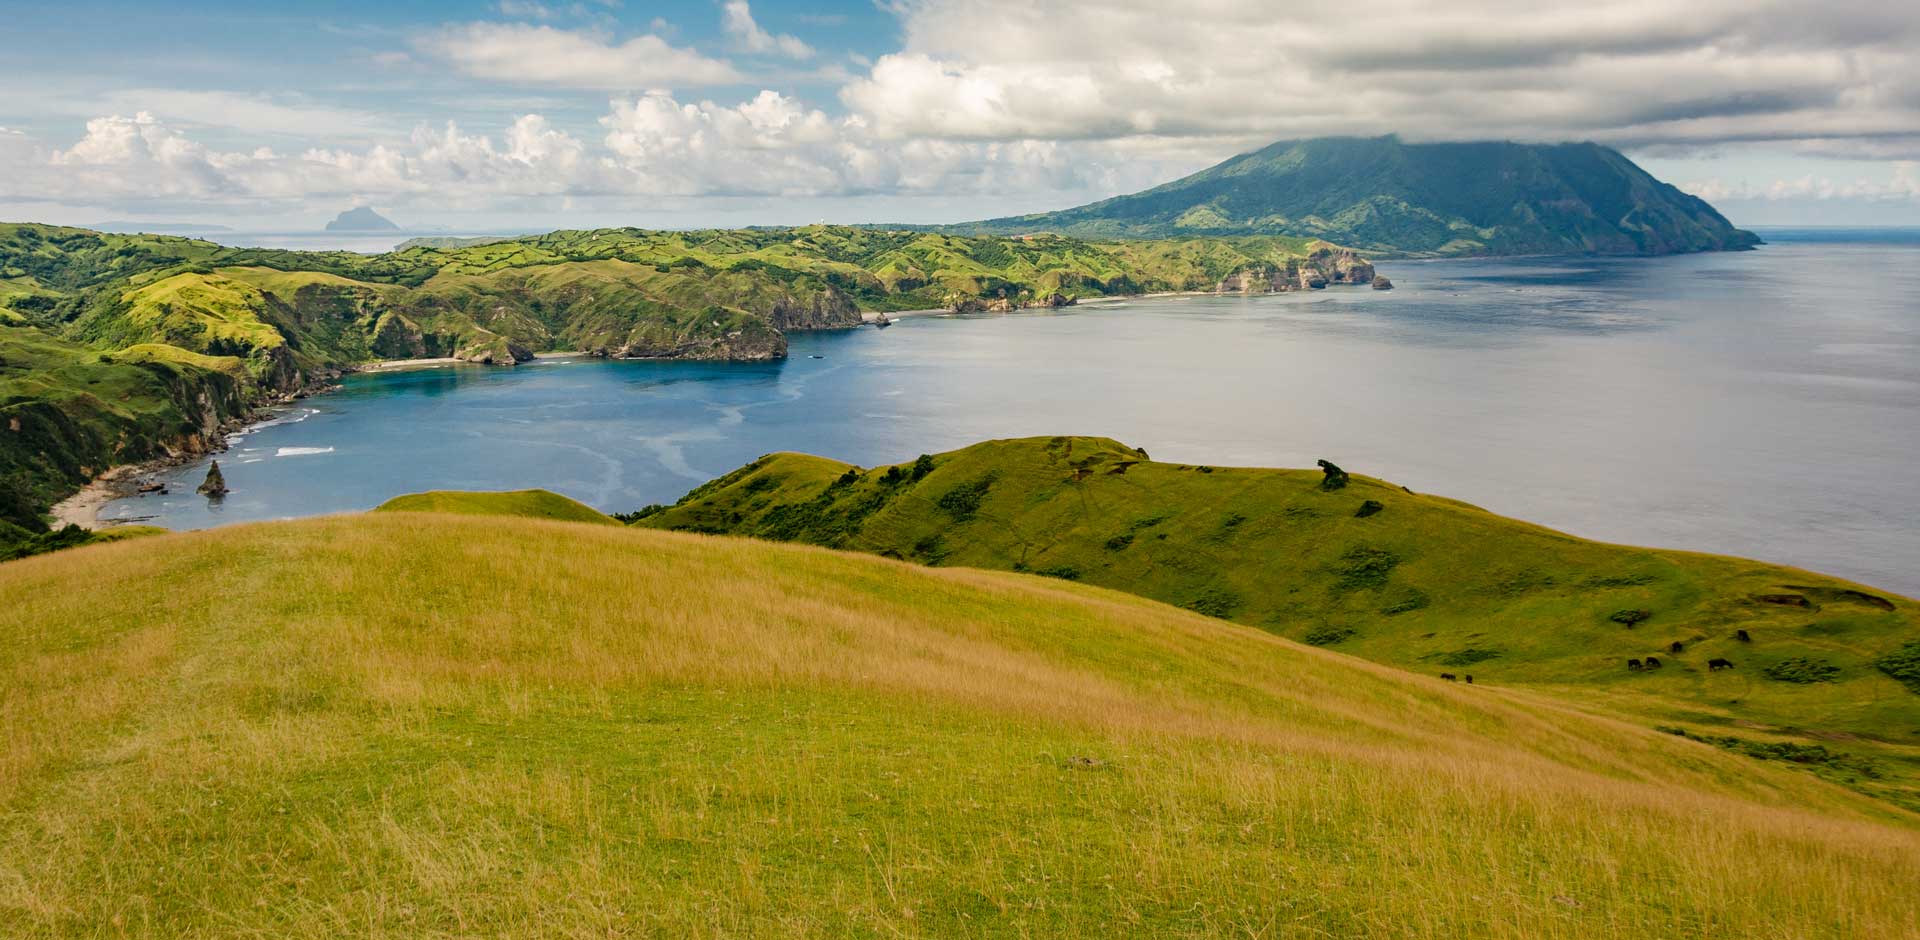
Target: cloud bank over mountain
<point>1003,99</point>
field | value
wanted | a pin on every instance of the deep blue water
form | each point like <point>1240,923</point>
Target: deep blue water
<point>1762,403</point>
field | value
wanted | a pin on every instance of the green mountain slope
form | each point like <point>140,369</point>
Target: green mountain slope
<point>1421,582</point>
<point>403,725</point>
<point>1382,195</point>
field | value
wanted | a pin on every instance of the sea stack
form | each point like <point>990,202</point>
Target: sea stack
<point>1380,282</point>
<point>215,485</point>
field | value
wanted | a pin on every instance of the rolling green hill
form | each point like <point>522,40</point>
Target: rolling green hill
<point>531,504</point>
<point>1417,581</point>
<point>1382,195</point>
<point>405,725</point>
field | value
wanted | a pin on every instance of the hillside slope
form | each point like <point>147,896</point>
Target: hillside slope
<point>527,504</point>
<point>1417,581</point>
<point>1386,196</point>
<point>415,725</point>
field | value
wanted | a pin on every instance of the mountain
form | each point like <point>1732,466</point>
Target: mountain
<point>1829,670</point>
<point>413,724</point>
<point>362,219</point>
<point>1386,196</point>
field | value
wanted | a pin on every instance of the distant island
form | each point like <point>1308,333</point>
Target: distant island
<point>1388,197</point>
<point>362,219</point>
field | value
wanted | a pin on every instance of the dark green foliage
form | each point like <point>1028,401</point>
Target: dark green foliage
<point>922,466</point>
<point>1903,665</point>
<point>16,542</point>
<point>1063,572</point>
<point>1802,670</point>
<point>848,478</point>
<point>892,476</point>
<point>1332,477</point>
<point>1818,756</point>
<point>1628,618</point>
<point>651,509</point>
<point>1215,602</point>
<point>1364,567</point>
<point>964,500</point>
<point>18,506</point>
<point>1328,636</point>
<point>1413,600</point>
<point>1468,656</point>
<point>1120,542</point>
<point>1628,580</point>
<point>1368,508</point>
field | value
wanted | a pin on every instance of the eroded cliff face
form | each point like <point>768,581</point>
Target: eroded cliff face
<point>825,310</point>
<point>1325,265</point>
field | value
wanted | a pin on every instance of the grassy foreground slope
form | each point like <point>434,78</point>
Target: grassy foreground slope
<point>402,725</point>
<point>531,504</point>
<point>1423,582</point>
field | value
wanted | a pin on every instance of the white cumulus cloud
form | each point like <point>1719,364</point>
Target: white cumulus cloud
<point>737,19</point>
<point>520,52</point>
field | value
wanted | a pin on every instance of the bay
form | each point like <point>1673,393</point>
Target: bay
<point>1764,404</point>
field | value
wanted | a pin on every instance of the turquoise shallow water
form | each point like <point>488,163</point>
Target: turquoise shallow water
<point>1764,404</point>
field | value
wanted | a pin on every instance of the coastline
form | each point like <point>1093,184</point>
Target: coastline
<point>872,316</point>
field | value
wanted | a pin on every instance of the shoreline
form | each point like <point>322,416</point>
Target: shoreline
<point>873,316</point>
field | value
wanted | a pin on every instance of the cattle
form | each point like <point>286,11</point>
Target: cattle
<point>1447,676</point>
<point>1716,664</point>
<point>1633,664</point>
<point>1742,636</point>
<point>1675,647</point>
<point>1469,678</point>
<point>1653,662</point>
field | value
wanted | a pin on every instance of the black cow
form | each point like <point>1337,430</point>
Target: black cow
<point>1675,647</point>
<point>1469,678</point>
<point>1653,662</point>
<point>1716,664</point>
<point>1742,636</point>
<point>1633,664</point>
<point>1447,676</point>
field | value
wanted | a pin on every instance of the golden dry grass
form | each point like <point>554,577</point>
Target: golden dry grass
<point>418,725</point>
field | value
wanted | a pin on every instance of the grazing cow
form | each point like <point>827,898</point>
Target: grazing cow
<point>1469,678</point>
<point>1742,636</point>
<point>1675,647</point>
<point>1653,662</point>
<point>1447,676</point>
<point>1716,664</point>
<point>1633,664</point>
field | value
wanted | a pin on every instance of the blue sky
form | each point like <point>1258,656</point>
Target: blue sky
<point>517,114</point>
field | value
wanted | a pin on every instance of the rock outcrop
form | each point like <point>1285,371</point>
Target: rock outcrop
<point>1380,282</point>
<point>826,310</point>
<point>215,485</point>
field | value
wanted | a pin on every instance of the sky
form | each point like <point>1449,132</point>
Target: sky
<point>523,115</point>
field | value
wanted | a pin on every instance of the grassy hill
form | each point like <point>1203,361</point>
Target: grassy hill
<point>403,724</point>
<point>531,504</point>
<point>1384,195</point>
<point>1417,581</point>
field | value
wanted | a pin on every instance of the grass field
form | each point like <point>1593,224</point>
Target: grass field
<point>1423,582</point>
<point>533,504</point>
<point>407,725</point>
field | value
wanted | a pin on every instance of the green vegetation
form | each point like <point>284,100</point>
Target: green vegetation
<point>531,504</point>
<point>454,727</point>
<point>217,330</point>
<point>19,542</point>
<point>1382,195</point>
<point>1425,583</point>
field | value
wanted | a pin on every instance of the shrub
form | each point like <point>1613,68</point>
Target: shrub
<point>922,466</point>
<point>1630,617</point>
<point>1364,567</point>
<point>964,500</point>
<point>1217,602</point>
<point>1120,542</point>
<point>1328,636</point>
<point>1368,508</point>
<point>1903,665</point>
<point>1063,572</point>
<point>1468,657</point>
<point>1801,670</point>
